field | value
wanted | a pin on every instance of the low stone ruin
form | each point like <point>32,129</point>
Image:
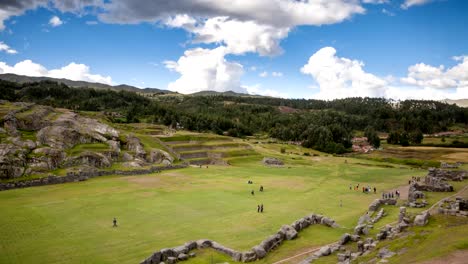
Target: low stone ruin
<point>286,232</point>
<point>446,165</point>
<point>457,207</point>
<point>379,202</point>
<point>272,162</point>
<point>448,175</point>
<point>416,198</point>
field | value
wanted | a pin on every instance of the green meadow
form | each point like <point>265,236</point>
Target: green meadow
<point>72,223</point>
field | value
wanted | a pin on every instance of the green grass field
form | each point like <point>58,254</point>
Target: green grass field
<point>73,222</point>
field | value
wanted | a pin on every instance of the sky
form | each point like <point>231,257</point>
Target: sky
<point>313,49</point>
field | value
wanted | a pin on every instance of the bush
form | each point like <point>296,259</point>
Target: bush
<point>283,150</point>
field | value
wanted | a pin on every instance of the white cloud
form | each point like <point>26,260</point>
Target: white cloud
<point>238,36</point>
<point>375,2</point>
<point>205,69</point>
<point>4,47</point>
<point>91,23</point>
<point>55,21</point>
<point>258,90</point>
<point>263,74</point>
<point>427,76</point>
<point>253,68</point>
<point>409,3</point>
<point>342,77</point>
<point>387,12</point>
<point>277,74</point>
<point>73,71</point>
<point>278,13</point>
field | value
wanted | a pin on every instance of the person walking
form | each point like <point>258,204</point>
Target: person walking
<point>115,222</point>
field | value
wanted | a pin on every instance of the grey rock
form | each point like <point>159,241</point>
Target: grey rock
<point>290,233</point>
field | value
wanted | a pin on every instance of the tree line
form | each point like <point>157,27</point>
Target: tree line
<point>323,125</point>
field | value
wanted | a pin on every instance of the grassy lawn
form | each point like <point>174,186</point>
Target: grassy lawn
<point>94,147</point>
<point>72,222</point>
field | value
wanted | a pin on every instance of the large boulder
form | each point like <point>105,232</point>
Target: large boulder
<point>272,162</point>
<point>345,238</point>
<point>422,219</point>
<point>89,158</point>
<point>134,145</point>
<point>289,232</point>
<point>259,251</point>
<point>325,251</point>
<point>159,156</point>
<point>328,222</point>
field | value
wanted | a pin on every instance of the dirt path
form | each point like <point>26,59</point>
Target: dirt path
<point>404,190</point>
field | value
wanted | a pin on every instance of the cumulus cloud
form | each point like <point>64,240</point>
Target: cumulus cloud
<point>409,3</point>
<point>205,69</point>
<point>428,76</point>
<point>73,71</point>
<point>341,77</point>
<point>337,77</point>
<point>263,74</point>
<point>287,13</point>
<point>277,74</point>
<point>55,21</point>
<point>4,47</point>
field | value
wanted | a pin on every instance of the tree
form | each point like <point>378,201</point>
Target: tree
<point>416,137</point>
<point>372,137</point>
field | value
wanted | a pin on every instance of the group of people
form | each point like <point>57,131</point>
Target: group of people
<point>365,189</point>
<point>391,195</point>
<point>414,179</point>
<point>260,206</point>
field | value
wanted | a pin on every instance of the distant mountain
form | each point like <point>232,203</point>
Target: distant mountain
<point>228,93</point>
<point>460,102</point>
<point>25,79</point>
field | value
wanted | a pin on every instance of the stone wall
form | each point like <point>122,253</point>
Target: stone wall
<point>286,232</point>
<point>448,175</point>
<point>82,176</point>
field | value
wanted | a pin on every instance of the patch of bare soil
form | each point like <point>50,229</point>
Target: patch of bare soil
<point>457,257</point>
<point>404,190</point>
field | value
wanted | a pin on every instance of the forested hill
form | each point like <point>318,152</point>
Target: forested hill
<point>28,79</point>
<point>323,125</point>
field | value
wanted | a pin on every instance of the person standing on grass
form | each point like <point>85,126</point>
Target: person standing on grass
<point>258,208</point>
<point>375,190</point>
<point>252,192</point>
<point>115,222</point>
<point>261,208</point>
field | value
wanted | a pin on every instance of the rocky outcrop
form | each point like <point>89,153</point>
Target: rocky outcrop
<point>159,156</point>
<point>88,158</point>
<point>448,175</point>
<point>272,162</point>
<point>134,145</point>
<point>286,232</point>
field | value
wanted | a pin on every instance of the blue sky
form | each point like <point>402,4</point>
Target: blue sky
<point>310,49</point>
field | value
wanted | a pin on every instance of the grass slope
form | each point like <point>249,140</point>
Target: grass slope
<point>72,222</point>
